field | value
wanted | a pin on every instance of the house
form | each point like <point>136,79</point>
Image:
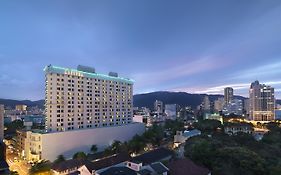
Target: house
<point>122,164</point>
<point>186,167</point>
<point>157,155</point>
<point>181,137</point>
<point>68,166</point>
<point>234,128</point>
<point>101,164</point>
<point>119,171</point>
<point>136,168</point>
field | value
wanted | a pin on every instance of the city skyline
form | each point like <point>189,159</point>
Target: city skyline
<point>182,46</point>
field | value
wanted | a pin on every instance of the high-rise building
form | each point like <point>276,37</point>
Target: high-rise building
<point>171,111</point>
<point>89,108</point>
<point>1,122</point>
<point>82,98</point>
<point>247,106</point>
<point>262,102</point>
<point>235,106</point>
<point>158,106</point>
<point>206,104</point>
<point>228,94</point>
<point>218,104</point>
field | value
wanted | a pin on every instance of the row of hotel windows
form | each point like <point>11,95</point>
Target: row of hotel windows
<point>70,79</point>
<point>60,123</point>
<point>96,118</point>
<point>97,89</point>
<point>82,78</point>
<point>90,126</point>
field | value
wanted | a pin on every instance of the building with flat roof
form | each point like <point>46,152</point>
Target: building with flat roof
<point>83,108</point>
<point>228,94</point>
<point>235,106</point>
<point>158,106</point>
<point>81,98</point>
<point>171,111</point>
<point>21,107</point>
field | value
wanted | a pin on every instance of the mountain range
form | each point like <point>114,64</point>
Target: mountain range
<point>29,103</point>
<point>143,100</point>
<point>180,98</point>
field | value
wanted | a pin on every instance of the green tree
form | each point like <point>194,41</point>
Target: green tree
<point>40,167</point>
<point>238,160</point>
<point>136,144</point>
<point>174,126</point>
<point>201,151</point>
<point>116,146</point>
<point>208,126</point>
<point>94,148</point>
<point>14,173</point>
<point>59,159</point>
<point>79,155</point>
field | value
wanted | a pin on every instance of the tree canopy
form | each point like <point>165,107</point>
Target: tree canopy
<point>237,154</point>
<point>79,155</point>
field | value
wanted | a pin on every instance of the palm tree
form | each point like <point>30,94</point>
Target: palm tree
<point>59,159</point>
<point>94,148</point>
<point>116,145</point>
<point>79,155</point>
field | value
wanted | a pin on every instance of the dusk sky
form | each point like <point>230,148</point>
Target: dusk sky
<point>196,46</point>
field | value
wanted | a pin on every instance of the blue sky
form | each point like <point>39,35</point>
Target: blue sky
<point>195,46</point>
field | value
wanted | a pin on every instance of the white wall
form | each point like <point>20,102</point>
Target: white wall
<point>70,142</point>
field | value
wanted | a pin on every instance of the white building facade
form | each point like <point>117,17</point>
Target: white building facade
<point>79,99</point>
<point>83,108</point>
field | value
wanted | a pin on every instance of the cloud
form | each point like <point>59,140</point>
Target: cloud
<point>268,70</point>
<point>164,75</point>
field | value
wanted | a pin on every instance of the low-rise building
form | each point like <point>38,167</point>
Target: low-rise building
<point>234,128</point>
<point>157,155</point>
<point>39,145</point>
<point>182,136</point>
<point>214,116</point>
<point>67,167</point>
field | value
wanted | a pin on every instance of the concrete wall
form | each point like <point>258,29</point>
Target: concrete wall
<point>70,142</point>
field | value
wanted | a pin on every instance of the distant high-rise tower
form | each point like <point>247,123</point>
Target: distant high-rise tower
<point>218,104</point>
<point>82,98</point>
<point>261,102</point>
<point>1,123</point>
<point>228,95</point>
<point>158,106</point>
<point>206,104</point>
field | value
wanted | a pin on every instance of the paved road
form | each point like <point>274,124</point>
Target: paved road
<point>20,166</point>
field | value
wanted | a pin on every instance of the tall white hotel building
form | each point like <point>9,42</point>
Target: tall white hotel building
<point>82,108</point>
<point>82,98</point>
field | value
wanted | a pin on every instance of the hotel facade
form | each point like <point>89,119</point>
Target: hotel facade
<point>82,108</point>
<point>79,99</point>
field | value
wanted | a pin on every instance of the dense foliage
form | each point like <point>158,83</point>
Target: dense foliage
<point>40,167</point>
<point>13,126</point>
<point>79,155</point>
<point>59,159</point>
<point>238,154</point>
